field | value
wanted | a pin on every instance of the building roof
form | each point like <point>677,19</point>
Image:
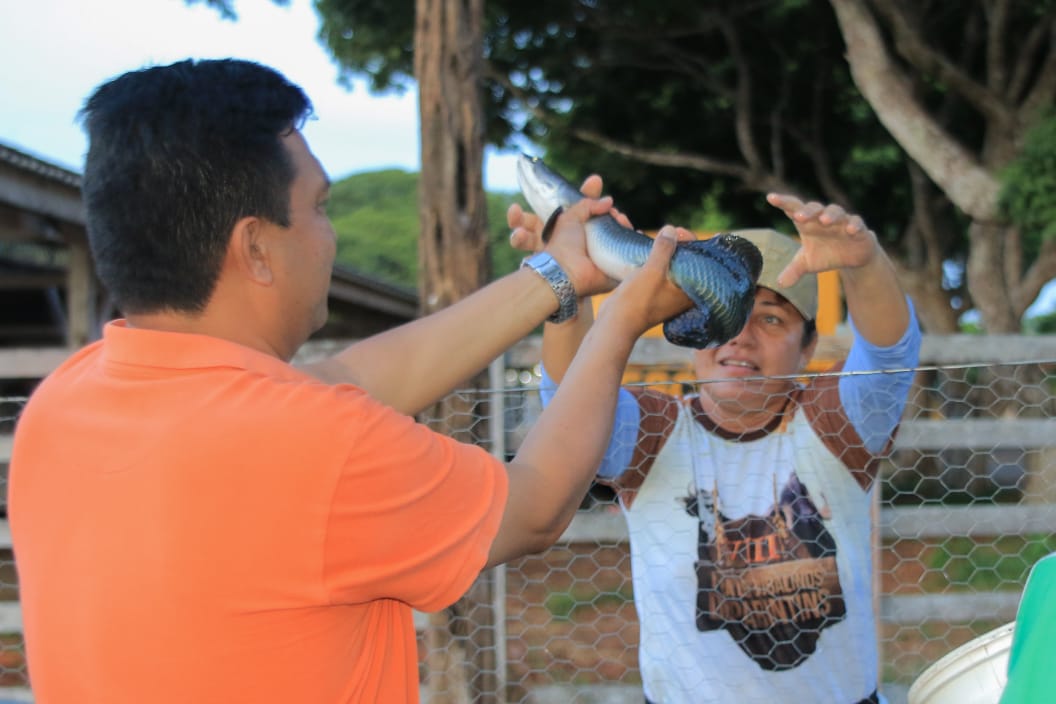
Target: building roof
<point>25,161</point>
<point>41,208</point>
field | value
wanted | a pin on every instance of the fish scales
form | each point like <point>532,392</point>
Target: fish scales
<point>718,274</point>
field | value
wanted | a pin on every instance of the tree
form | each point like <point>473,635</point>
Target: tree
<point>905,112</point>
<point>375,215</point>
<point>453,247</point>
<point>921,88</point>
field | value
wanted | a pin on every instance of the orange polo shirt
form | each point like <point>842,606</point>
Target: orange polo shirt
<point>194,521</point>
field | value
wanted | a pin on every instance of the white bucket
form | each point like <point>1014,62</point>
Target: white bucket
<point>974,673</point>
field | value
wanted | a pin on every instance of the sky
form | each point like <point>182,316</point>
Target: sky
<point>53,53</point>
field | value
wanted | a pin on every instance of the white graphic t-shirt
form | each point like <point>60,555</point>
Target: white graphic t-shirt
<point>752,569</point>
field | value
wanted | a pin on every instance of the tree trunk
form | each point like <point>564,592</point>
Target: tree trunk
<point>934,311</point>
<point>988,280</point>
<point>454,262</point>
<point>453,249</point>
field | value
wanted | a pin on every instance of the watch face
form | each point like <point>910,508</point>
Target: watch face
<point>534,260</point>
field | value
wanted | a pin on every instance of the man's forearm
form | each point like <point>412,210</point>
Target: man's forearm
<point>556,461</point>
<point>416,364</point>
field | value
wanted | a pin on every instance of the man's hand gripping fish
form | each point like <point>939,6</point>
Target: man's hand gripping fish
<point>718,274</point>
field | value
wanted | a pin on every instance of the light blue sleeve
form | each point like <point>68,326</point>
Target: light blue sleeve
<point>619,452</point>
<point>874,402</point>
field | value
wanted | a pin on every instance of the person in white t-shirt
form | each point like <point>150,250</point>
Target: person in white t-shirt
<point>748,502</point>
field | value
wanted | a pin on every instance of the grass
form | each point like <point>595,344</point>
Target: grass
<point>1004,562</point>
<point>565,605</point>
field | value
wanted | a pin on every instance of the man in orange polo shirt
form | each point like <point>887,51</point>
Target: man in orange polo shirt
<point>194,519</point>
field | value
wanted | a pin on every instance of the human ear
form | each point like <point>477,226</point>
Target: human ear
<point>249,249</point>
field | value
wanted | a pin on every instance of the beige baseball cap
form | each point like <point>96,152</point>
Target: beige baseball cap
<point>777,251</point>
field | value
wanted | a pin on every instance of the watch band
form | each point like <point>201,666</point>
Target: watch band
<point>547,267</point>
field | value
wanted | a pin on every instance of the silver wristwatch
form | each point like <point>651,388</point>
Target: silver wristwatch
<point>549,269</point>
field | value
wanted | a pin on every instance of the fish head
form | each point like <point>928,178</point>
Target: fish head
<point>543,188</point>
<point>748,256</point>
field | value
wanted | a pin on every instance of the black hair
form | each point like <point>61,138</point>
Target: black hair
<point>177,155</point>
<point>810,331</point>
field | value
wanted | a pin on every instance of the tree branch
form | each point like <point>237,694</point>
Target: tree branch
<point>743,100</point>
<point>819,153</point>
<point>997,25</point>
<point>973,189</point>
<point>1041,96</point>
<point>1041,271</point>
<point>925,220</point>
<point>913,48</point>
<point>754,179</point>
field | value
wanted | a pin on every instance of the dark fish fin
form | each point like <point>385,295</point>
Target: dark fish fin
<point>696,245</point>
<point>736,254</point>
<point>548,227</point>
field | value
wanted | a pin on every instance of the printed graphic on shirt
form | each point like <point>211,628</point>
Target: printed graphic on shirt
<point>770,581</point>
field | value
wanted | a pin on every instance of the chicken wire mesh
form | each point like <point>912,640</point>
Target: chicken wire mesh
<point>965,507</point>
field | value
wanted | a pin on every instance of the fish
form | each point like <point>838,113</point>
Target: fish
<point>718,274</point>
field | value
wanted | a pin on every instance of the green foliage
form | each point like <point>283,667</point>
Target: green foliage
<point>564,606</point>
<point>376,219</point>
<point>760,92</point>
<point>375,215</point>
<point>1028,185</point>
<point>662,75</point>
<point>1003,562</point>
<point>1044,324</point>
<point>371,38</point>
<point>709,217</point>
<point>504,258</point>
<point>226,8</point>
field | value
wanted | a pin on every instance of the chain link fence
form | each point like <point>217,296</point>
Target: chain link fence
<point>966,505</point>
